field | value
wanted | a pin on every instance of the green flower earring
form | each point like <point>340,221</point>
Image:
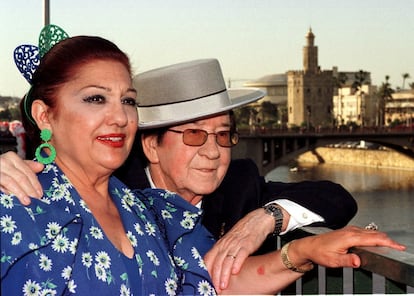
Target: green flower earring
<point>45,135</point>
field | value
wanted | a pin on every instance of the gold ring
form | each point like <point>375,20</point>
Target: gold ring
<point>371,226</point>
<point>232,256</point>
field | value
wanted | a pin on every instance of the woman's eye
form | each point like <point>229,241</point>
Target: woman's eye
<point>129,101</point>
<point>94,99</point>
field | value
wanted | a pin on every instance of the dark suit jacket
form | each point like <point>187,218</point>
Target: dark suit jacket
<point>244,190</point>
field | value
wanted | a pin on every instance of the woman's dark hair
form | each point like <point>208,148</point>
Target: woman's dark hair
<point>58,66</point>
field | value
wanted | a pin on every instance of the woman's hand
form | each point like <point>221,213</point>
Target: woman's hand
<point>18,176</point>
<point>331,249</point>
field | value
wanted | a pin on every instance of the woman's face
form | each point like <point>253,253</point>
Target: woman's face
<point>194,170</point>
<point>95,119</point>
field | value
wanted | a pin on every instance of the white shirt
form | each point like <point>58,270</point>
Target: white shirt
<point>299,216</point>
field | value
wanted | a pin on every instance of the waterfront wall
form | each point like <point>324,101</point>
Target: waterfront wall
<point>372,158</point>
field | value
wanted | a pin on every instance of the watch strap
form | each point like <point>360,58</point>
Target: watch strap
<point>275,211</point>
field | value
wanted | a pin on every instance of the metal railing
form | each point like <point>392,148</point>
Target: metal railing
<point>383,271</point>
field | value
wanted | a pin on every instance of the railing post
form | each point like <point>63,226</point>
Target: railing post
<point>334,280</point>
<point>310,282</point>
<point>393,287</point>
<point>379,265</point>
<point>362,282</point>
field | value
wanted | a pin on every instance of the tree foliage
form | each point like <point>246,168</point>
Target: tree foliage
<point>340,80</point>
<point>385,95</point>
<point>360,79</point>
<point>405,76</point>
<point>10,114</point>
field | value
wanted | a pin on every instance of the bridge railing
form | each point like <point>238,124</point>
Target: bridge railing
<point>383,271</point>
<point>328,130</point>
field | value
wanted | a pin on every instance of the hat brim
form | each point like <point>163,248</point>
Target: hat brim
<point>150,117</point>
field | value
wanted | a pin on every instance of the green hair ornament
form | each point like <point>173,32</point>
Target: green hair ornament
<point>27,58</point>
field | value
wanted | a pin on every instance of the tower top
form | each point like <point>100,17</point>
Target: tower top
<point>310,37</point>
<point>310,54</point>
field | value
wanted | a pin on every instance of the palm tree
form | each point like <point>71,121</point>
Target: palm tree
<point>339,82</point>
<point>360,79</point>
<point>405,76</point>
<point>385,95</point>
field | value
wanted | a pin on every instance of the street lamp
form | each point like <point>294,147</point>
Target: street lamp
<point>46,12</point>
<point>308,111</point>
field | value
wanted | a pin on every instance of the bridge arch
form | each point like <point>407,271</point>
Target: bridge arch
<point>272,149</point>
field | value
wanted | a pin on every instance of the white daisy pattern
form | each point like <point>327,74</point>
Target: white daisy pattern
<point>52,230</point>
<point>87,259</point>
<point>7,224</point>
<point>67,272</point>
<point>45,263</point>
<point>17,238</point>
<point>6,201</point>
<point>96,232</point>
<point>66,250</point>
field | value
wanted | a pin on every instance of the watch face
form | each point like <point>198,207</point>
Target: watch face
<point>272,209</point>
<point>277,213</point>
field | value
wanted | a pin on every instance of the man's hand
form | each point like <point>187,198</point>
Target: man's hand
<point>229,253</point>
<point>18,176</point>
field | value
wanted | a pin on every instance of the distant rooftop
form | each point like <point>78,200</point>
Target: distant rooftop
<point>268,80</point>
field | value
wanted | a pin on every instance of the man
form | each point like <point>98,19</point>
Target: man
<point>243,191</point>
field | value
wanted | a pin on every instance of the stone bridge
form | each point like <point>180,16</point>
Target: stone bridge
<point>272,148</point>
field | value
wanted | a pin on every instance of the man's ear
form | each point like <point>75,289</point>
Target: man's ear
<point>40,114</point>
<point>149,146</point>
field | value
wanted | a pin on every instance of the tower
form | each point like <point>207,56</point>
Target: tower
<point>310,54</point>
<point>310,91</point>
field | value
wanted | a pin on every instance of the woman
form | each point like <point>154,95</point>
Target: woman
<point>88,235</point>
<point>189,154</point>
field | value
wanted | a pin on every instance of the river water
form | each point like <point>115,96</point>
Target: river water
<point>384,196</point>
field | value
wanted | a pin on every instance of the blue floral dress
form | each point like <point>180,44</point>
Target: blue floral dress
<point>55,246</point>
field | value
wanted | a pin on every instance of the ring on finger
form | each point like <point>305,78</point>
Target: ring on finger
<point>371,226</point>
<point>230,255</point>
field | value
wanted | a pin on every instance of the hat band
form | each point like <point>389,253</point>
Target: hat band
<point>162,115</point>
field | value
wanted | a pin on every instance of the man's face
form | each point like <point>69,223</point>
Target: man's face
<point>192,170</point>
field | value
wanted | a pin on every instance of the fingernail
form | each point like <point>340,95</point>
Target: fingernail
<point>26,200</point>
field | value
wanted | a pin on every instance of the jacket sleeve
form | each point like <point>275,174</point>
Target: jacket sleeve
<point>244,190</point>
<point>328,199</point>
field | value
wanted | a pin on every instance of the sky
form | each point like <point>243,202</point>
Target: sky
<point>250,38</point>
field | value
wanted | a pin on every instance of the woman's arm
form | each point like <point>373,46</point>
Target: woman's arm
<point>268,274</point>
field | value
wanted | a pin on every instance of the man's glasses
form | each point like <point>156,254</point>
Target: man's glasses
<point>197,137</point>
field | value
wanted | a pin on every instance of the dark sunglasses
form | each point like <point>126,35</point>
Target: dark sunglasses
<point>197,137</point>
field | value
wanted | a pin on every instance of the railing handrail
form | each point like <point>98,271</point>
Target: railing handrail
<point>392,264</point>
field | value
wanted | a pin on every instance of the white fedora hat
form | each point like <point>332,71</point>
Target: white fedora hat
<point>185,92</point>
